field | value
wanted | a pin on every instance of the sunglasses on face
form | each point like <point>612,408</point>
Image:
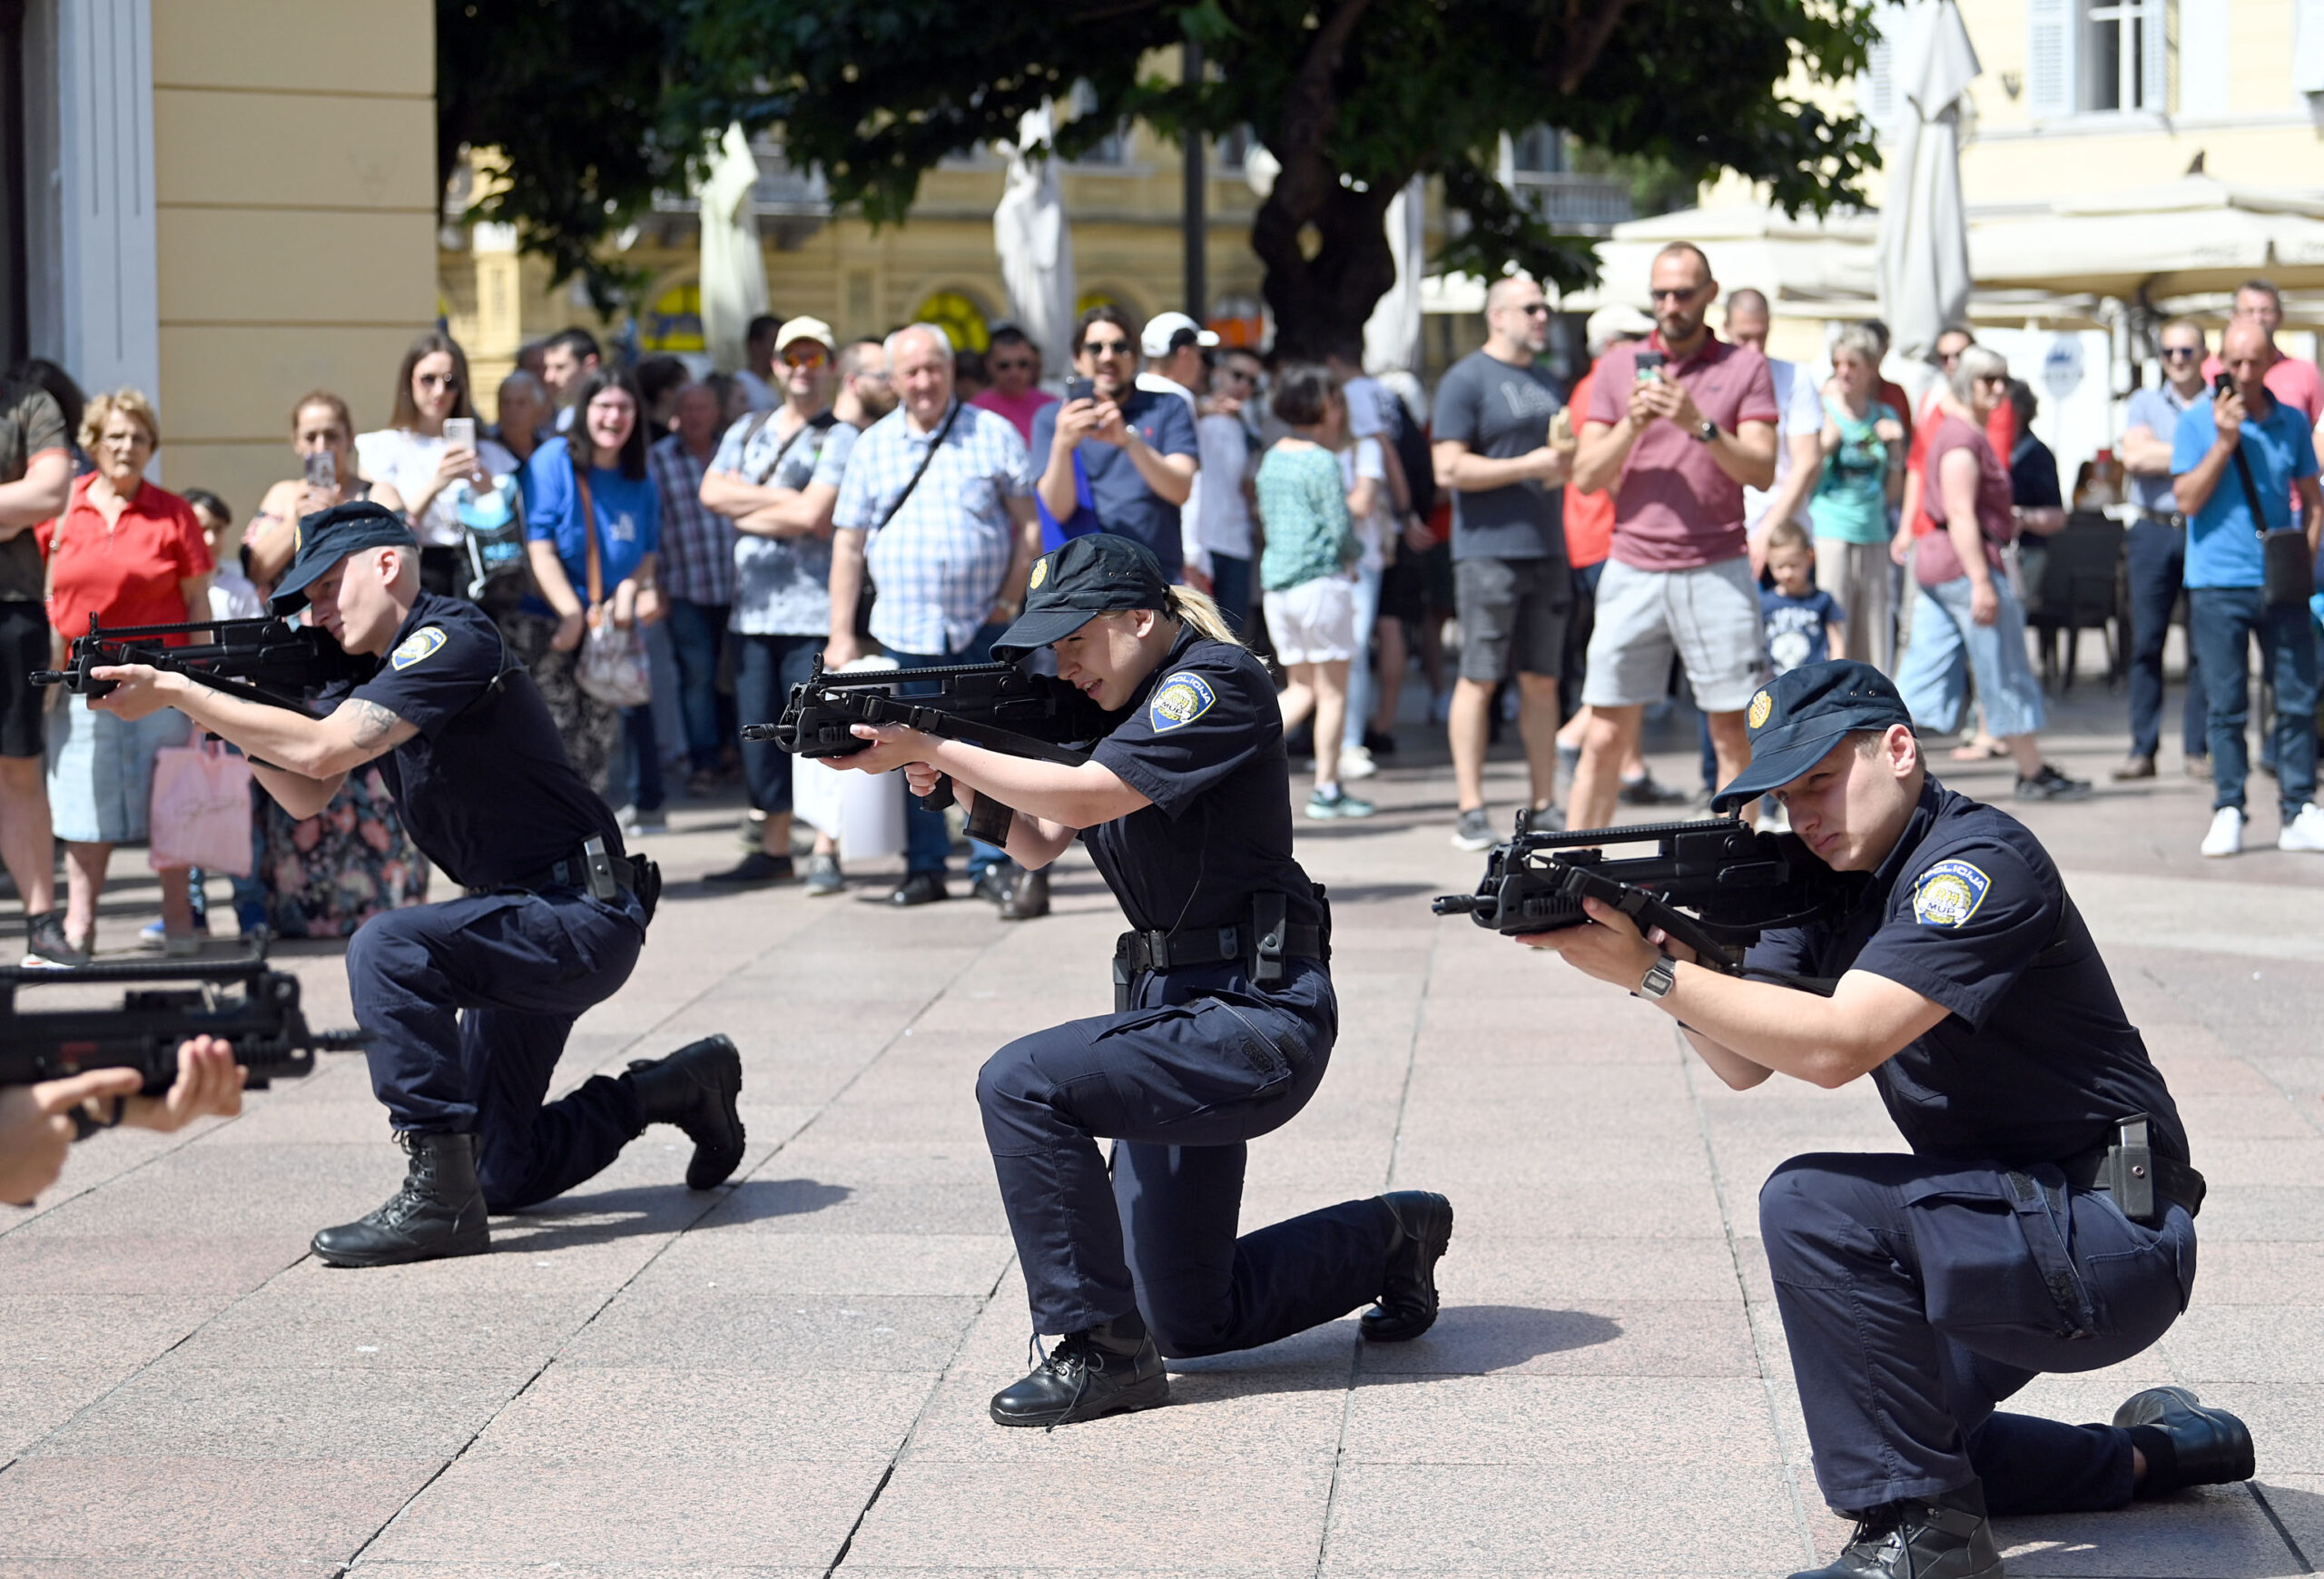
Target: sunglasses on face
<point>2178,352</point>
<point>1678,297</point>
<point>1533,309</point>
<point>2002,379</point>
<point>797,358</point>
<point>439,381</point>
<point>1107,347</point>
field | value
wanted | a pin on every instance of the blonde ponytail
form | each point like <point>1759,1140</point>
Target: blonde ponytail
<point>1198,609</point>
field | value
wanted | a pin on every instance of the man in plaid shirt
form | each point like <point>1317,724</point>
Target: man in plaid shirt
<point>950,561</point>
<point>697,575</point>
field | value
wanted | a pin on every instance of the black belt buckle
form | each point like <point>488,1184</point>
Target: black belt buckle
<point>2128,1172</point>
<point>604,887</point>
<point>1270,935</point>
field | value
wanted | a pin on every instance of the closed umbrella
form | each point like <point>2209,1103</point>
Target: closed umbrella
<point>1035,245</point>
<point>1391,334</point>
<point>733,270</point>
<point>1924,229</point>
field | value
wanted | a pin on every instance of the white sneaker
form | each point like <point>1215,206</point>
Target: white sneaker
<point>2304,832</point>
<point>1355,762</point>
<point>2226,837</point>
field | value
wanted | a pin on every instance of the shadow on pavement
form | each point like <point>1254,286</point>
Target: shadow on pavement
<point>602,1217</point>
<point>757,1200</point>
<point>1481,1339</point>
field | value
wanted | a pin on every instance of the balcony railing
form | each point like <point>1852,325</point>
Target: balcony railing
<point>1575,204</point>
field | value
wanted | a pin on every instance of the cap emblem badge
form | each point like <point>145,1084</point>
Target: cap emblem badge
<point>1762,705</point>
<point>1040,574</point>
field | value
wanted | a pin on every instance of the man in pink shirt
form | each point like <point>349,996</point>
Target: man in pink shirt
<point>2289,379</point>
<point>1678,428</point>
<point>1015,363</point>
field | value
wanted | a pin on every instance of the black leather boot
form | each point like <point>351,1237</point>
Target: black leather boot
<point>438,1212</point>
<point>1029,897</point>
<point>1407,1305</point>
<point>695,1088</point>
<point>2185,1444</point>
<point>1941,1537</point>
<point>1110,1369</point>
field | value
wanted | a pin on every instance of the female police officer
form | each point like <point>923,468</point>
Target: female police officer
<point>1225,1011</point>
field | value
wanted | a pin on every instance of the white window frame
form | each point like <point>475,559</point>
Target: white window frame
<point>2061,53</point>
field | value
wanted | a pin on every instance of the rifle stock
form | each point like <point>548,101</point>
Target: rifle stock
<point>170,1005</point>
<point>266,660</point>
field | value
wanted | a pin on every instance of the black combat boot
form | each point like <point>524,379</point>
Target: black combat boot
<point>2185,1443</point>
<point>1407,1305</point>
<point>1110,1369</point>
<point>438,1212</point>
<point>695,1088</point>
<point>1941,1537</point>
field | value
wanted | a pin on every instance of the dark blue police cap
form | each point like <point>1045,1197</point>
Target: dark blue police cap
<point>327,537</point>
<point>1797,718</point>
<point>1096,573</point>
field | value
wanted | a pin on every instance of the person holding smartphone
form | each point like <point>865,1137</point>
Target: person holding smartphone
<point>429,450</point>
<point>1114,457</point>
<point>322,436</point>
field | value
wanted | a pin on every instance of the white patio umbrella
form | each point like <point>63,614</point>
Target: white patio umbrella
<point>733,270</point>
<point>1923,228</point>
<point>2191,236</point>
<point>1391,334</point>
<point>1035,245</point>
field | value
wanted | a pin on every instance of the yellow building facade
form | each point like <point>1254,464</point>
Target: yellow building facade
<point>225,203</point>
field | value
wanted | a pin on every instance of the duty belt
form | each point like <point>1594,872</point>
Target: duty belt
<point>589,869</point>
<point>1165,951</point>
<point>2142,1182</point>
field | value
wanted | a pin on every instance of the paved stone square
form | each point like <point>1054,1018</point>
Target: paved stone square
<point>787,1377</point>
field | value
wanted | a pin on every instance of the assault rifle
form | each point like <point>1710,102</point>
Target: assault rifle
<point>1714,886</point>
<point>262,1019</point>
<point>266,660</point>
<point>1000,706</point>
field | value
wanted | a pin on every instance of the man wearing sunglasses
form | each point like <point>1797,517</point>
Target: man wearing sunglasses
<point>1014,364</point>
<point>1120,459</point>
<point>2157,549</point>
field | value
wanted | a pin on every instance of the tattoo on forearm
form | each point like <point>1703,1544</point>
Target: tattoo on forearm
<point>372,722</point>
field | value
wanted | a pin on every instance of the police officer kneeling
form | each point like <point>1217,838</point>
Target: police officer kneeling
<point>2044,1221</point>
<point>1225,1014</point>
<point>552,923</point>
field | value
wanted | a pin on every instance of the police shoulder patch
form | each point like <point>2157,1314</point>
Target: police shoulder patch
<point>419,645</point>
<point>1948,894</point>
<point>1181,699</point>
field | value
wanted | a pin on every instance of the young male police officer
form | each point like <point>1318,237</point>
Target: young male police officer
<point>2044,1221</point>
<point>552,921</point>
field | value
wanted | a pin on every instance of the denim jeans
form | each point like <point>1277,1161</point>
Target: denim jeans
<point>1948,646</point>
<point>1362,685</point>
<point>765,669</point>
<point>927,842</point>
<point>695,631</point>
<point>2158,569</point>
<point>639,765</point>
<point>2223,621</point>
<point>1230,588</point>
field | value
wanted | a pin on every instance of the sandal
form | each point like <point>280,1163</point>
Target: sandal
<point>1979,751</point>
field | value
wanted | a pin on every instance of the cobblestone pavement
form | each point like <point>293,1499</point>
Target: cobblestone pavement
<point>787,1377</point>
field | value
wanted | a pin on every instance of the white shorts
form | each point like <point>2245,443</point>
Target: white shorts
<point>1710,617</point>
<point>1312,622</point>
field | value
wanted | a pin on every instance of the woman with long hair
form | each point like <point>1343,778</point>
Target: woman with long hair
<point>426,469</point>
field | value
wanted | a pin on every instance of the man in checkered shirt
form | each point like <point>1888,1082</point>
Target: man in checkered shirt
<point>697,569</point>
<point>950,562</point>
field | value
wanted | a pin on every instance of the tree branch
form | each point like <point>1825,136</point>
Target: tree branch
<point>1585,40</point>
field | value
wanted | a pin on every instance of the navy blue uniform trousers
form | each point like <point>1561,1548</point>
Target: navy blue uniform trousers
<point>1204,1062</point>
<point>1916,1295</point>
<point>469,1004</point>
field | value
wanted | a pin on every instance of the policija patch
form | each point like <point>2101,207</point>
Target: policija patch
<point>416,647</point>
<point>1948,894</point>
<point>1180,699</point>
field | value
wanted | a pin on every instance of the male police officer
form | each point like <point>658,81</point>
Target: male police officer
<point>2043,1221</point>
<point>552,921</point>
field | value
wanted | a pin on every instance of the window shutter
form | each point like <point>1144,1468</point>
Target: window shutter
<point>2155,24</point>
<point>2050,29</point>
<point>2308,46</point>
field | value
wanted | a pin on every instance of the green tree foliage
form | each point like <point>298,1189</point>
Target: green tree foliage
<point>1353,98</point>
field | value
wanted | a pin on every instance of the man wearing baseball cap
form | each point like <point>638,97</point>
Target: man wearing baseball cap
<point>467,1003</point>
<point>2043,1220</point>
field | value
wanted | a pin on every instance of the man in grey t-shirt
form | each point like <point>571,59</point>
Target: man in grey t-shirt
<point>1512,587</point>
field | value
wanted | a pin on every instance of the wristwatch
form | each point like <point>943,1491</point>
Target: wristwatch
<point>1660,977</point>
<point>1707,430</point>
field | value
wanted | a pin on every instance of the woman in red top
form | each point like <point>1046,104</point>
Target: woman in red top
<point>131,554</point>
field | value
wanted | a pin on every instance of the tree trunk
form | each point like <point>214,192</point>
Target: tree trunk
<point>1321,303</point>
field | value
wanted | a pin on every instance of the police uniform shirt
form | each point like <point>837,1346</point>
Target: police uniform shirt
<point>2037,1059</point>
<point>1203,740</point>
<point>485,787</point>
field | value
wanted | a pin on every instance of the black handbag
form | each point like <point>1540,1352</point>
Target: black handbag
<point>2288,563</point>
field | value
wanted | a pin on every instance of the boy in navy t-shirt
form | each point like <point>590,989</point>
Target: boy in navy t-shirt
<point>1803,625</point>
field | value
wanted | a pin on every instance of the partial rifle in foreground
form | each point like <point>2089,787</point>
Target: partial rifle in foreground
<point>237,1001</point>
<point>266,660</point>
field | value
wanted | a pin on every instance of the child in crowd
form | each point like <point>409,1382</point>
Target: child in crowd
<point>1803,625</point>
<point>1306,570</point>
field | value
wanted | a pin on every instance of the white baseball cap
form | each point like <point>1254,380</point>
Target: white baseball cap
<point>1609,324</point>
<point>1166,332</point>
<point>813,329</point>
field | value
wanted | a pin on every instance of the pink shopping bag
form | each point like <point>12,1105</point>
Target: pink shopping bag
<point>200,810</point>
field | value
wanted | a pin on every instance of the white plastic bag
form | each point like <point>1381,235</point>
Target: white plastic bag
<point>200,814</point>
<point>864,811</point>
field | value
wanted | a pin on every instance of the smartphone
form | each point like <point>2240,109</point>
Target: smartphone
<point>322,471</point>
<point>2224,384</point>
<point>459,432</point>
<point>1649,366</point>
<point>1079,389</point>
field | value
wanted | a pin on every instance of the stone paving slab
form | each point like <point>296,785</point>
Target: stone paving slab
<point>787,1378</point>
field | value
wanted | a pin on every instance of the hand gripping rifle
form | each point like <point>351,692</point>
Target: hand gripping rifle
<point>262,1019</point>
<point>266,660</point>
<point>1000,706</point>
<point>1714,886</point>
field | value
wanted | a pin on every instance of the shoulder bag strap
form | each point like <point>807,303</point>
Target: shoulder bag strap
<point>597,575</point>
<point>921,469</point>
<point>2251,492</point>
<point>759,420</point>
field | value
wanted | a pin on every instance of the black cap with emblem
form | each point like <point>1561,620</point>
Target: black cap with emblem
<point>1798,717</point>
<point>1096,573</point>
<point>327,537</point>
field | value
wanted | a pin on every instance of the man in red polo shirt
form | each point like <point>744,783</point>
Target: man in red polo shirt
<point>1676,440</point>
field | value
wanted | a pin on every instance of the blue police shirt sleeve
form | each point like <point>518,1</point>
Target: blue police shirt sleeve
<point>1788,952</point>
<point>434,673</point>
<point>1962,926</point>
<point>1203,719</point>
